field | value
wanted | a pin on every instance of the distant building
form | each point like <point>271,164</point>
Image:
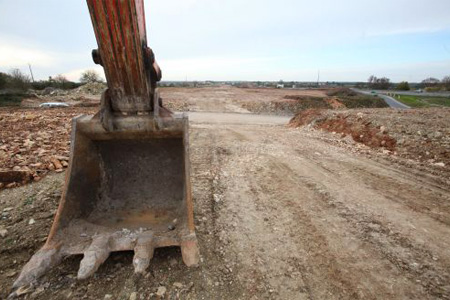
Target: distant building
<point>280,86</point>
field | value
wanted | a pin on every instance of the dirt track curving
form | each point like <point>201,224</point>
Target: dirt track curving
<point>281,213</point>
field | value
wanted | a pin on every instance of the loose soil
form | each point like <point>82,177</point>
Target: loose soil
<point>281,213</point>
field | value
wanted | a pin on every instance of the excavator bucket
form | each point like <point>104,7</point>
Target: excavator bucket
<point>128,182</point>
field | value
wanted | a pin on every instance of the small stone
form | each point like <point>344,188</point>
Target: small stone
<point>11,274</point>
<point>57,164</point>
<point>3,232</point>
<point>108,296</point>
<point>24,290</point>
<point>439,164</point>
<point>216,198</point>
<point>383,129</point>
<point>133,296</point>
<point>161,291</point>
<point>8,209</point>
<point>31,222</point>
<point>178,285</point>
<point>173,262</point>
<point>437,134</point>
<point>62,158</point>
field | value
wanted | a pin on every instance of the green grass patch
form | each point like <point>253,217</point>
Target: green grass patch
<point>423,101</point>
<point>13,99</point>
<point>363,101</point>
<point>351,99</point>
<point>29,200</point>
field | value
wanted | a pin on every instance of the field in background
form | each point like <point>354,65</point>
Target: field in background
<point>423,101</point>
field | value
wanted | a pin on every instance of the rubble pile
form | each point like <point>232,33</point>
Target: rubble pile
<point>33,143</point>
<point>287,106</point>
<point>91,88</point>
<point>421,135</point>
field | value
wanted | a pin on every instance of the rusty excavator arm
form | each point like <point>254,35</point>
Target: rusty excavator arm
<point>128,182</point>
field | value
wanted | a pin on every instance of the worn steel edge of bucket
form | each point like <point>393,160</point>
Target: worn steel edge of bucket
<point>55,249</point>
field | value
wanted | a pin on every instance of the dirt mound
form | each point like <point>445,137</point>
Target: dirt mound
<point>91,88</point>
<point>335,103</point>
<point>421,135</point>
<point>360,130</point>
<point>290,104</point>
<point>341,92</point>
<point>305,117</point>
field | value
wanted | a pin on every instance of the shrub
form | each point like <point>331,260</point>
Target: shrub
<point>90,76</point>
<point>403,86</point>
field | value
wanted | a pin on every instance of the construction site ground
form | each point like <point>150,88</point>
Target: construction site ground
<point>306,211</point>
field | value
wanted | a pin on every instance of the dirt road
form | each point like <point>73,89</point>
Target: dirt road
<point>281,213</point>
<point>301,219</point>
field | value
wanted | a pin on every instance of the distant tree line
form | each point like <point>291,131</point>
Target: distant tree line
<point>16,80</point>
<point>434,84</point>
<point>379,83</point>
<point>429,84</point>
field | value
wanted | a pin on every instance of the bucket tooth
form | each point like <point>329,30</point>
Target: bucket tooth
<point>189,250</point>
<point>40,263</point>
<point>143,253</point>
<point>94,256</point>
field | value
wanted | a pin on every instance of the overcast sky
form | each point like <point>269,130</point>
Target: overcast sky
<point>346,40</point>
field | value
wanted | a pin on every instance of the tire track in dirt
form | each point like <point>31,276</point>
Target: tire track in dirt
<point>405,253</point>
<point>206,162</point>
<point>373,265</point>
<point>421,199</point>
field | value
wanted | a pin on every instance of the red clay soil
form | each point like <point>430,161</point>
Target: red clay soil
<point>362,131</point>
<point>305,117</point>
<point>335,103</point>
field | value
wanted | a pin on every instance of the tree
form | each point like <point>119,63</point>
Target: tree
<point>61,81</point>
<point>430,82</point>
<point>403,86</point>
<point>4,78</point>
<point>446,82</point>
<point>379,83</point>
<point>90,76</point>
<point>18,80</point>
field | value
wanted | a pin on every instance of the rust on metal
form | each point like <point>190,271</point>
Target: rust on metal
<point>120,32</point>
<point>128,182</point>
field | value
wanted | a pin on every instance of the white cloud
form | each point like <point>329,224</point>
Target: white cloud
<point>74,75</point>
<point>15,56</point>
<point>213,68</point>
<point>213,39</point>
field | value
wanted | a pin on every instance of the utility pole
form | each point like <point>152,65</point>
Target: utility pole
<point>31,72</point>
<point>318,77</point>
